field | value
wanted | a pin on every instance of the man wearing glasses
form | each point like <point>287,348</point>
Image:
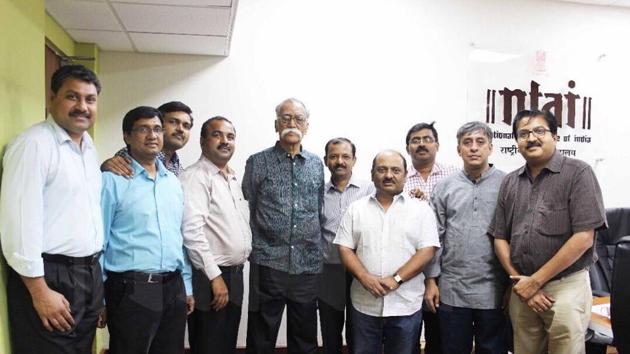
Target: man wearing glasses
<point>284,185</point>
<point>148,273</point>
<point>178,121</point>
<point>422,145</point>
<point>543,228</point>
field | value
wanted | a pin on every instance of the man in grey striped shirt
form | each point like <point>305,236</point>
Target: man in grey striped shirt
<point>472,282</point>
<point>334,290</point>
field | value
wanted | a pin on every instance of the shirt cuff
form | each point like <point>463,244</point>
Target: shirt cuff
<point>212,271</point>
<point>188,286</point>
<point>344,244</point>
<point>26,267</point>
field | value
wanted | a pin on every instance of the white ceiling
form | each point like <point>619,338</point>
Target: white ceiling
<point>149,26</point>
<point>619,3</point>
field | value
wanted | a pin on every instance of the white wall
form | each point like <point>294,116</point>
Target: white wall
<point>369,69</point>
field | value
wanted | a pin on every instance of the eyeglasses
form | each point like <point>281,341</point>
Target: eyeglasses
<point>287,118</point>
<point>538,132</point>
<point>422,139</point>
<point>146,130</point>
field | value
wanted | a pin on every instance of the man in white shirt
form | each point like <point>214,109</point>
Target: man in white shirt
<point>385,240</point>
<point>51,225</point>
<point>218,238</point>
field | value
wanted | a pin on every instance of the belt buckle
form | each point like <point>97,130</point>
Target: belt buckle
<point>150,280</point>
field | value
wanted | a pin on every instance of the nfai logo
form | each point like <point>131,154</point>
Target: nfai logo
<point>555,104</point>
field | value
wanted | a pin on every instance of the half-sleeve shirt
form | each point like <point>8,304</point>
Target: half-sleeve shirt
<point>538,216</point>
<point>384,240</point>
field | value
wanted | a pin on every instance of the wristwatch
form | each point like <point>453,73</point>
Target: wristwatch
<point>398,279</point>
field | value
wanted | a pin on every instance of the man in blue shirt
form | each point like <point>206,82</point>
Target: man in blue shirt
<point>148,274</point>
<point>284,185</point>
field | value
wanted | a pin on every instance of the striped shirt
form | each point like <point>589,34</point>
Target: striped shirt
<point>438,173</point>
<point>335,204</point>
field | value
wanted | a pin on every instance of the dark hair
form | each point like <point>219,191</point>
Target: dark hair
<point>549,118</point>
<point>418,127</point>
<point>340,140</point>
<point>176,106</point>
<point>204,126</point>
<point>392,151</point>
<point>78,72</point>
<point>141,112</point>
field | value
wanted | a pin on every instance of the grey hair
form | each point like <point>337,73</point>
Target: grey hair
<point>294,101</point>
<point>474,126</point>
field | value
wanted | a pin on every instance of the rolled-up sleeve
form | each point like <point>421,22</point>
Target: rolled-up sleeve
<point>344,236</point>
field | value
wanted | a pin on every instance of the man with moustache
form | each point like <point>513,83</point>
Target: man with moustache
<point>51,225</point>
<point>544,229</point>
<point>148,289</point>
<point>385,240</point>
<point>334,289</point>
<point>178,121</point>
<point>218,238</point>
<point>422,145</point>
<point>472,282</point>
<point>284,185</point>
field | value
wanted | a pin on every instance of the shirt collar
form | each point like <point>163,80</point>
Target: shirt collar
<point>62,136</point>
<point>213,169</point>
<point>281,154</point>
<point>352,182</point>
<point>483,175</point>
<point>437,167</point>
<point>553,165</point>
<point>138,169</point>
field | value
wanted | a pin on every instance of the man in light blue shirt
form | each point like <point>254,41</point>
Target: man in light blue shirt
<point>148,274</point>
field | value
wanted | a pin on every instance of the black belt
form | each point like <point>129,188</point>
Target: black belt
<point>62,259</point>
<point>145,277</point>
<point>232,269</point>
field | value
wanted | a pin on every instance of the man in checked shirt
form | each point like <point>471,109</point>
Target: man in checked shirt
<point>422,145</point>
<point>178,121</point>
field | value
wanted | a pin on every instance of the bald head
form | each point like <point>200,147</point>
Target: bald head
<point>389,171</point>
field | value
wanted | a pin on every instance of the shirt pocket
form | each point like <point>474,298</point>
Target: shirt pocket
<point>553,221</point>
<point>311,196</point>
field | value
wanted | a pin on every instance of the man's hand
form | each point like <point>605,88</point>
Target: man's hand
<point>190,304</point>
<point>540,302</point>
<point>416,193</point>
<point>388,283</point>
<point>525,287</point>
<point>118,165</point>
<point>220,293</point>
<point>431,294</point>
<point>53,309</point>
<point>102,319</point>
<point>371,283</point>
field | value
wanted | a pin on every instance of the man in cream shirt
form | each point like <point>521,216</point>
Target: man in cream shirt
<point>218,238</point>
<point>385,240</point>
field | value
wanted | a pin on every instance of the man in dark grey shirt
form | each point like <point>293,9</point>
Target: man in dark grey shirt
<point>544,229</point>
<point>472,282</point>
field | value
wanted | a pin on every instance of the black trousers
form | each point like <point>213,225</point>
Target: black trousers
<point>81,285</point>
<point>332,320</point>
<point>145,317</point>
<point>270,291</point>
<point>432,336</point>
<point>216,332</point>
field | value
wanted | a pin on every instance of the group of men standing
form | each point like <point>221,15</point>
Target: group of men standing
<point>170,244</point>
